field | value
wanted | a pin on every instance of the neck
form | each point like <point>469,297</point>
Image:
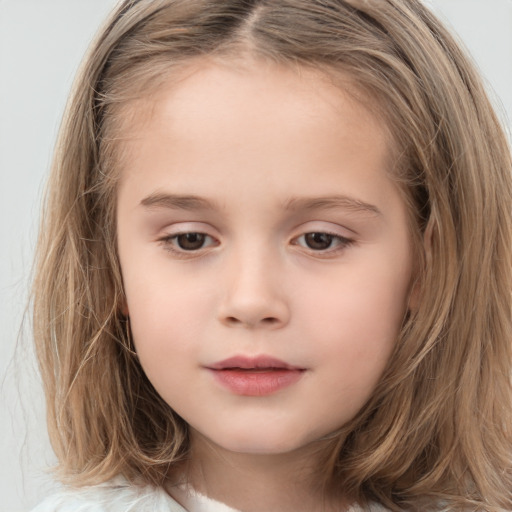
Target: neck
<point>270,482</point>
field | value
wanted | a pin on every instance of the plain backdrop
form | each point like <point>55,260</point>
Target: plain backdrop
<point>41,45</point>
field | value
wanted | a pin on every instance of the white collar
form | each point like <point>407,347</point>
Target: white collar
<point>194,501</point>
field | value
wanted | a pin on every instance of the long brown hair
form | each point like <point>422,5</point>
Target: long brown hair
<point>438,426</point>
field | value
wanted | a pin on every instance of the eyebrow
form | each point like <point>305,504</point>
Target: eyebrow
<point>177,202</point>
<point>191,202</point>
<point>331,203</point>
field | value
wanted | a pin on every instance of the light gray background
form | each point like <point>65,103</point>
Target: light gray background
<point>41,44</point>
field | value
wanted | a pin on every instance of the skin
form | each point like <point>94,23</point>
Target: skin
<point>264,146</point>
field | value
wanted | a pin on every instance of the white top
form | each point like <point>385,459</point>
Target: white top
<point>114,496</point>
<point>120,496</point>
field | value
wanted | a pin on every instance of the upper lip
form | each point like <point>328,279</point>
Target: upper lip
<point>248,362</point>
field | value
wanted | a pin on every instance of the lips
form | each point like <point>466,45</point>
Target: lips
<point>253,363</point>
<point>255,376</point>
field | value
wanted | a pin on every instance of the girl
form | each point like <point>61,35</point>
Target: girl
<point>275,264</point>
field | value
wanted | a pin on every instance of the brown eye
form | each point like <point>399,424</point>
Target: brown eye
<point>323,243</point>
<point>318,241</point>
<point>190,241</point>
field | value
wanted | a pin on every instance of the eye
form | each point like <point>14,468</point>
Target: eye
<point>188,242</point>
<point>320,241</point>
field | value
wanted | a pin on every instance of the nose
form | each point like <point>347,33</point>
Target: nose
<point>253,295</point>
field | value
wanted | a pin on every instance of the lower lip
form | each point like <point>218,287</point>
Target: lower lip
<point>256,383</point>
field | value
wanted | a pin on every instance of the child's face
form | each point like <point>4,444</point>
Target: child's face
<point>297,261</point>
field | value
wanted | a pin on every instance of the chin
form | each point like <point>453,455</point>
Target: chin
<point>261,441</point>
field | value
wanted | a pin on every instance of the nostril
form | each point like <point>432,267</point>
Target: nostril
<point>270,320</point>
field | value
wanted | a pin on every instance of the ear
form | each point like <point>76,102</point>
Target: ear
<point>413,300</point>
<point>416,287</point>
<point>123,306</point>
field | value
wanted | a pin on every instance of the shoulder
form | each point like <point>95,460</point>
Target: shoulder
<point>113,496</point>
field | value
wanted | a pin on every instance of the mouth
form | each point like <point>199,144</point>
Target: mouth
<point>254,364</point>
<point>255,376</point>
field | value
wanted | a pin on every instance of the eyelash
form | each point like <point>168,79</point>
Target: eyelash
<point>170,244</point>
<point>342,243</point>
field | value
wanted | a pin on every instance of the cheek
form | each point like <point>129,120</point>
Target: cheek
<point>371,304</point>
<point>352,336</point>
<point>355,323</point>
<point>166,319</point>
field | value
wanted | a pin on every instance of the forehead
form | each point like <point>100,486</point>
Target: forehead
<point>195,86</point>
<point>208,94</point>
<point>253,134</point>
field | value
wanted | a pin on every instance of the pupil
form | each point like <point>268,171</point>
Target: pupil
<point>191,241</point>
<point>318,240</point>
